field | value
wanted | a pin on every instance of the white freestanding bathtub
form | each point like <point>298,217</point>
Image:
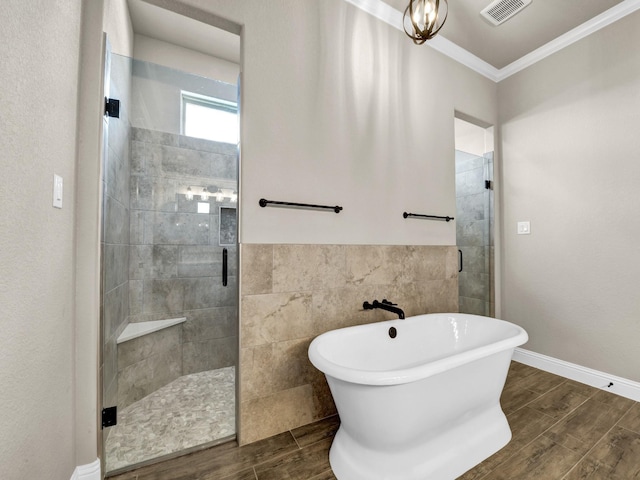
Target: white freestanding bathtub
<point>424,405</point>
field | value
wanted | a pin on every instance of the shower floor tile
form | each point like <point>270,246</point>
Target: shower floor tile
<point>190,411</point>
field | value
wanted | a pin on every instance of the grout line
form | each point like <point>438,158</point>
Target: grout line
<point>255,474</point>
<point>589,451</point>
<point>278,456</point>
<point>598,441</point>
<point>543,432</point>
<point>295,440</point>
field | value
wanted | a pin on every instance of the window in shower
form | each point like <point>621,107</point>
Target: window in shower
<point>209,118</point>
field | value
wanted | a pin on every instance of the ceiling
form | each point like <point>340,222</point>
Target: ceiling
<point>536,25</point>
<point>167,26</point>
<point>539,29</point>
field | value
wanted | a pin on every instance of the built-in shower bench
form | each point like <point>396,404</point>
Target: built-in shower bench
<point>149,356</point>
<point>139,329</point>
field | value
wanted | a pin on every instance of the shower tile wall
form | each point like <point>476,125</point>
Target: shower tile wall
<point>292,293</point>
<point>175,257</point>
<point>115,227</point>
<point>474,235</point>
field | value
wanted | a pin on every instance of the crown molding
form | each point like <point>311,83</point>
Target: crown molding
<point>393,17</point>
<point>606,18</point>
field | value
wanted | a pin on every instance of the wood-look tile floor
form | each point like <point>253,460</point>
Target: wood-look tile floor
<point>562,430</point>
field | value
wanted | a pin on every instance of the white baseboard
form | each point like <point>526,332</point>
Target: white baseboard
<point>90,471</point>
<point>611,383</point>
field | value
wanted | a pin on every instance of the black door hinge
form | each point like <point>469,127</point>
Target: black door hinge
<point>109,416</point>
<point>112,107</point>
<point>488,184</point>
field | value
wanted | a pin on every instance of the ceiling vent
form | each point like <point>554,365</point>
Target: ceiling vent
<point>502,10</point>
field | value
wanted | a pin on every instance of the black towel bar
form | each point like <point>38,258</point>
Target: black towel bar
<point>263,203</point>
<point>430,217</point>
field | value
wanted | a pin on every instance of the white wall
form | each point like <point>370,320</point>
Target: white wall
<point>470,138</point>
<point>183,59</point>
<point>117,25</point>
<point>334,108</point>
<point>39,47</point>
<point>570,143</point>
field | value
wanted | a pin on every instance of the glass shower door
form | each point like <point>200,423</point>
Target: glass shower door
<point>474,233</point>
<point>170,296</point>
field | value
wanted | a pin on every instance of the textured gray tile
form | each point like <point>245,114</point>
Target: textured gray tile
<point>474,285</point>
<point>473,306</point>
<point>474,259</point>
<point>140,156</point>
<point>208,292</point>
<point>172,161</point>
<point>177,228</point>
<point>203,261</point>
<point>153,193</point>
<point>148,375</point>
<point>115,310</point>
<point>116,222</point>
<point>155,343</point>
<point>153,136</point>
<point>153,261</point>
<point>137,221</point>
<point>115,265</point>
<point>136,292</point>
<point>209,354</point>
<point>222,166</point>
<point>190,411</point>
<point>470,182</point>
<point>117,166</point>
<point>210,323</point>
<point>471,233</point>
<point>164,296</point>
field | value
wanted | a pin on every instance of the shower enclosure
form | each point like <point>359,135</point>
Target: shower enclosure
<point>475,220</point>
<point>169,300</point>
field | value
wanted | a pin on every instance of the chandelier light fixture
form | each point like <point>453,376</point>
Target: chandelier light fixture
<point>424,18</point>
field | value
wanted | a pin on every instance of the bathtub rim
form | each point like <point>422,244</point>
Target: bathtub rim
<point>414,373</point>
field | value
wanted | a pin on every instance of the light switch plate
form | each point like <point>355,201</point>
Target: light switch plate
<point>524,228</point>
<point>57,191</point>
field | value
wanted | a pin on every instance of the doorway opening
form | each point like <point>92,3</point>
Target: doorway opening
<point>474,168</point>
<point>169,296</point>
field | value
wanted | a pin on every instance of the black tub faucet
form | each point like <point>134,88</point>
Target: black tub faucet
<point>384,305</point>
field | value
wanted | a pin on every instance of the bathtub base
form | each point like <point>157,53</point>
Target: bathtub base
<point>444,456</point>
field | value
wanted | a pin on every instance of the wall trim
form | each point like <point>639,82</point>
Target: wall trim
<point>606,18</point>
<point>393,17</point>
<point>90,471</point>
<point>621,386</point>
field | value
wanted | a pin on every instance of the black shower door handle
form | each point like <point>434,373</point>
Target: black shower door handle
<point>460,257</point>
<point>224,267</point>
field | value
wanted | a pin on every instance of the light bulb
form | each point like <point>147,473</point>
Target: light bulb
<point>429,12</point>
<point>204,196</point>
<point>419,14</point>
<point>189,194</point>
